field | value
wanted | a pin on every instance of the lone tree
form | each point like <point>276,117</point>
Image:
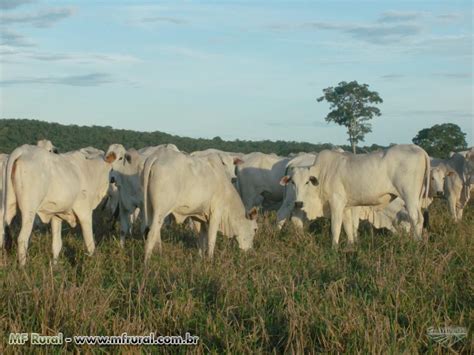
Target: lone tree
<point>350,107</point>
<point>441,139</point>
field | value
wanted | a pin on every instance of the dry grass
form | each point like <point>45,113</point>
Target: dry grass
<point>291,294</point>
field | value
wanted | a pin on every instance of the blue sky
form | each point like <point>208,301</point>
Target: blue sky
<point>238,70</point>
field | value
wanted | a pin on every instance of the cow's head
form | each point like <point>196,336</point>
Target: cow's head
<point>437,180</point>
<point>48,145</point>
<point>303,184</point>
<point>247,230</point>
<point>116,156</point>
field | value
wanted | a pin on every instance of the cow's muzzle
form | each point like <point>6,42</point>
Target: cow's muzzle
<point>439,193</point>
<point>299,204</point>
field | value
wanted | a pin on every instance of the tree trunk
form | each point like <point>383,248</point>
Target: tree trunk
<point>353,146</point>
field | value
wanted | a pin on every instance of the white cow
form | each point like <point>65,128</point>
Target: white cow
<point>227,159</point>
<point>44,144</point>
<point>47,145</point>
<point>450,178</point>
<point>393,217</point>
<point>186,186</point>
<point>338,181</point>
<point>469,168</point>
<point>258,178</point>
<point>55,187</point>
<point>287,207</point>
<point>125,175</point>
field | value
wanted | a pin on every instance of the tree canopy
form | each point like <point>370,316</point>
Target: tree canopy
<point>350,105</point>
<point>15,132</point>
<point>441,139</point>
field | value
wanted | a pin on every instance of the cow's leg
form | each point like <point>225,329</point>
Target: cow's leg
<point>416,217</point>
<point>348,225</point>
<point>452,206</point>
<point>355,213</point>
<point>297,218</point>
<point>203,232</point>
<point>57,240</point>
<point>154,236</point>
<point>2,232</point>
<point>337,211</point>
<point>283,213</point>
<point>86,226</point>
<point>125,225</point>
<point>212,233</point>
<point>27,220</point>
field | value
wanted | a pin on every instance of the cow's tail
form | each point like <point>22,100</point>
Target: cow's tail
<point>427,177</point>
<point>9,197</point>
<point>424,197</point>
<point>145,181</point>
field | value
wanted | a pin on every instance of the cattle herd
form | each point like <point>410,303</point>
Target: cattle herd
<point>215,191</point>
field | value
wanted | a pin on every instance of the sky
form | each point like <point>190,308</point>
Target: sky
<point>237,69</point>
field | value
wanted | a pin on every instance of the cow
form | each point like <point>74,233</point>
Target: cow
<point>44,144</point>
<point>227,160</point>
<point>187,186</point>
<point>258,178</point>
<point>125,175</point>
<point>56,187</point>
<point>450,178</point>
<point>47,145</point>
<point>393,217</point>
<point>287,207</point>
<point>338,181</point>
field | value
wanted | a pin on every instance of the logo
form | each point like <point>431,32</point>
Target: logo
<point>447,336</point>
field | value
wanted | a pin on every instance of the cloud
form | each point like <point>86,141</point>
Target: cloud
<point>399,16</point>
<point>11,49</point>
<point>93,79</point>
<point>173,20</point>
<point>377,33</point>
<point>41,19</point>
<point>187,52</point>
<point>459,45</point>
<point>438,114</point>
<point>8,50</point>
<point>13,39</point>
<point>12,4</point>
<point>82,58</point>
<point>381,34</point>
<point>299,123</point>
<point>465,75</point>
<point>452,17</point>
<point>392,76</point>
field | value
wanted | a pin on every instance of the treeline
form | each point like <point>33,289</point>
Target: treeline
<point>15,132</point>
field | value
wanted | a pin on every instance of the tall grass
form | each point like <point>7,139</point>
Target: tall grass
<point>292,293</point>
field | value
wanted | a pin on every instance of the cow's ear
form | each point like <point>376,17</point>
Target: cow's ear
<point>314,180</point>
<point>252,214</point>
<point>285,180</point>
<point>450,173</point>
<point>128,158</point>
<point>238,161</point>
<point>111,157</point>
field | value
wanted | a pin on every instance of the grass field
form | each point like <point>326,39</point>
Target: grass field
<point>292,293</point>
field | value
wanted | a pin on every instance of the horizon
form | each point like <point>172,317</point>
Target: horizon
<point>237,70</point>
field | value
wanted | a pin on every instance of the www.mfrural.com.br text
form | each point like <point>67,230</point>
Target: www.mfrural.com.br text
<point>122,339</point>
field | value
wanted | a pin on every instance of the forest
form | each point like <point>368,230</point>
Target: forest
<point>15,132</point>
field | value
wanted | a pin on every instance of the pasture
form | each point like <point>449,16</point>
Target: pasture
<point>292,293</point>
